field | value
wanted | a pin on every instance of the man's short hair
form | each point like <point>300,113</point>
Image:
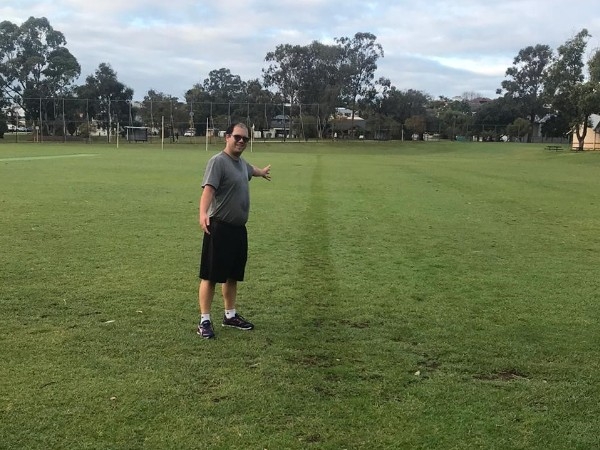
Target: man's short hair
<point>230,128</point>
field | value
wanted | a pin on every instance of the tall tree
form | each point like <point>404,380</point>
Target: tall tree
<point>389,108</point>
<point>493,118</point>
<point>570,93</point>
<point>35,64</point>
<point>372,106</point>
<point>158,108</point>
<point>322,82</point>
<point>519,128</point>
<point>286,71</point>
<point>222,86</point>
<point>594,67</point>
<point>555,127</point>
<point>261,103</point>
<point>306,75</point>
<point>109,99</point>
<point>227,92</point>
<point>200,105</point>
<point>526,82</point>
<point>8,55</point>
<point>359,63</point>
<point>456,118</point>
<point>404,104</point>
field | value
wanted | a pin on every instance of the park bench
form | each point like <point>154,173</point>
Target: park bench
<point>555,148</point>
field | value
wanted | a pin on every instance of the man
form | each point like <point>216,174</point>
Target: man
<point>224,208</point>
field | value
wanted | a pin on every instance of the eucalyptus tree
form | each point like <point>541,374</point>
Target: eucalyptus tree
<point>519,128</point>
<point>8,54</point>
<point>594,66</point>
<point>526,81</point>
<point>223,86</point>
<point>493,118</point>
<point>158,109</point>
<point>403,104</point>
<point>261,105</point>
<point>555,126</point>
<point>108,100</point>
<point>359,63</point>
<point>373,105</point>
<point>306,76</point>
<point>285,71</point>
<point>456,119</point>
<point>154,107</point>
<point>200,105</point>
<point>322,82</point>
<point>570,92</point>
<point>227,92</point>
<point>395,109</point>
<point>35,65</point>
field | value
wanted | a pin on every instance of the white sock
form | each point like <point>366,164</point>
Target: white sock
<point>204,317</point>
<point>230,313</point>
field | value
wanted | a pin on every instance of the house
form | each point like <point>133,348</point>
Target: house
<point>592,137</point>
<point>280,126</point>
<point>342,120</point>
<point>476,103</point>
<point>15,115</point>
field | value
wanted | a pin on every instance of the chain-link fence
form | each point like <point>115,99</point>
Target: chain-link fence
<point>74,119</point>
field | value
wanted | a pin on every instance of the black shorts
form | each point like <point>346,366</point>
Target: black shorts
<point>224,252</point>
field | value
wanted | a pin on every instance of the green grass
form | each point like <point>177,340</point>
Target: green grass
<point>405,295</point>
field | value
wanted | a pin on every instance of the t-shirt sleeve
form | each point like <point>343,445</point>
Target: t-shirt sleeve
<point>212,174</point>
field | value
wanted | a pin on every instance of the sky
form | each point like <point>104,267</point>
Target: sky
<point>442,48</point>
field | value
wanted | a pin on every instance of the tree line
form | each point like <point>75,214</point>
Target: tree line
<point>556,88</point>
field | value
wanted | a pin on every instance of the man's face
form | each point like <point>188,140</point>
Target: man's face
<point>237,140</point>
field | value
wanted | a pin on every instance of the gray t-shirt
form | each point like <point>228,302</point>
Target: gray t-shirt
<point>230,178</point>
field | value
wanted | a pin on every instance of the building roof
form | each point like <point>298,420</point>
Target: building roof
<point>345,113</point>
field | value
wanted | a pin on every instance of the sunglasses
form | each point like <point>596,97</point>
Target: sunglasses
<point>239,138</point>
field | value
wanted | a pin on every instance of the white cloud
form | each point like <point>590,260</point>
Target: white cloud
<point>439,47</point>
<point>481,66</point>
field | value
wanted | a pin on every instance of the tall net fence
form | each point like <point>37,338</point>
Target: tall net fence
<point>74,119</point>
<point>68,119</point>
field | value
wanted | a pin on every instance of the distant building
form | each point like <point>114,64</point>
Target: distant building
<point>341,120</point>
<point>592,137</point>
<point>15,115</point>
<point>478,102</point>
<point>281,126</point>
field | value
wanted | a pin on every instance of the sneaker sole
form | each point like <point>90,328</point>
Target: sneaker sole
<point>205,337</point>
<point>237,328</point>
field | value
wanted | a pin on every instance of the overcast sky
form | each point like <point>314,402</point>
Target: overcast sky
<point>438,47</point>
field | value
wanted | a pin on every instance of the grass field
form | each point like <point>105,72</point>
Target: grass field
<point>405,295</point>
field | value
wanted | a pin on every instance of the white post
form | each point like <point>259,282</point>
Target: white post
<point>109,120</point>
<point>41,136</point>
<point>252,138</point>
<point>206,137</point>
<point>64,121</point>
<point>162,134</point>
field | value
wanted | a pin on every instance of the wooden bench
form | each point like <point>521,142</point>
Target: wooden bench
<point>555,148</point>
